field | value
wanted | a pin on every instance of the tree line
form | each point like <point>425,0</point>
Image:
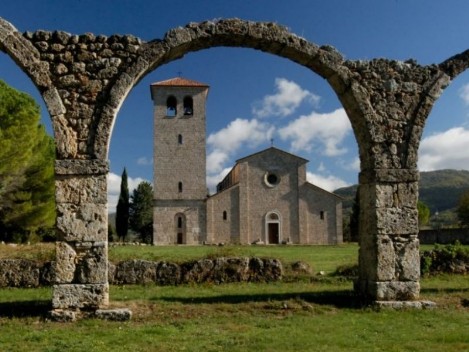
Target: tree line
<point>134,212</point>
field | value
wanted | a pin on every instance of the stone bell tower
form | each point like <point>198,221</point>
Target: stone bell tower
<point>180,187</point>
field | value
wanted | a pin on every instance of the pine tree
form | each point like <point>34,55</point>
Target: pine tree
<point>141,211</point>
<point>122,210</point>
<point>27,156</point>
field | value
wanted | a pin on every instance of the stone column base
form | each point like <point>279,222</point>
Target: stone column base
<point>80,296</point>
<point>388,290</point>
<point>398,305</point>
<point>68,315</point>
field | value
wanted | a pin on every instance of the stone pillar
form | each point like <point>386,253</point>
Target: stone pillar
<point>82,248</point>
<point>389,259</point>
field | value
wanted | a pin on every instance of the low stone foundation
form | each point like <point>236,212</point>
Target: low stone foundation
<point>399,305</point>
<point>68,315</point>
<point>27,273</point>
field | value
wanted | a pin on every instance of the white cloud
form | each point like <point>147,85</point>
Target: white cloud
<point>239,132</point>
<point>113,189</point>
<point>285,101</point>
<point>329,183</point>
<point>464,93</point>
<point>229,140</point>
<point>144,161</point>
<point>353,165</point>
<point>324,132</point>
<point>445,150</point>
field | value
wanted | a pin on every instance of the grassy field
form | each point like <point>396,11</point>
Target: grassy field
<point>309,315</point>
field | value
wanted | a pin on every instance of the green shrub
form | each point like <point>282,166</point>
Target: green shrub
<point>452,258</point>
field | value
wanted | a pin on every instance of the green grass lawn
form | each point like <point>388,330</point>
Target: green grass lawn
<point>308,315</point>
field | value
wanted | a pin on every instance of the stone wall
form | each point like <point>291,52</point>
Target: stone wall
<point>444,236</point>
<point>27,273</point>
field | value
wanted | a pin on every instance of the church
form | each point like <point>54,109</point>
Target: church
<point>264,199</point>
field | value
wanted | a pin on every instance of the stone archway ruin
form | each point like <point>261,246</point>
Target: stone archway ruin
<point>85,78</point>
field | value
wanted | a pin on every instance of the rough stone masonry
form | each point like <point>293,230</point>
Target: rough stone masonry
<point>85,78</point>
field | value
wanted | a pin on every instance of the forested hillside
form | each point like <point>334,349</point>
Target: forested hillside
<point>439,190</point>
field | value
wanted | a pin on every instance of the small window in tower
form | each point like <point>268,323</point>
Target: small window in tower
<point>180,187</point>
<point>188,106</point>
<point>171,105</point>
<point>224,215</point>
<point>179,138</point>
<point>321,215</point>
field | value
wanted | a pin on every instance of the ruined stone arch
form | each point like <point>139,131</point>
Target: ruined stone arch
<point>84,80</point>
<point>266,37</point>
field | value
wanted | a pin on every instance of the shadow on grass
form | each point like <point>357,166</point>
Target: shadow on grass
<point>25,309</point>
<point>443,290</point>
<point>339,299</point>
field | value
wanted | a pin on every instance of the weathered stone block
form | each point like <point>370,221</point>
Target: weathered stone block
<point>399,305</point>
<point>91,263</point>
<point>168,273</point>
<point>65,262</point>
<point>394,290</point>
<point>63,315</point>
<point>81,189</point>
<point>6,28</point>
<point>121,314</point>
<point>21,49</point>
<point>397,221</point>
<point>84,223</point>
<point>80,296</point>
<point>407,258</point>
<point>135,272</point>
<point>65,139</point>
<point>386,259</point>
<point>53,102</point>
<point>19,273</point>
<point>81,167</point>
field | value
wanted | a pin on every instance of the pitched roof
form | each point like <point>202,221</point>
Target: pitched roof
<point>273,149</point>
<point>232,177</point>
<point>179,82</point>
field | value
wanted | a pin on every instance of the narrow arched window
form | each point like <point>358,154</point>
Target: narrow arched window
<point>188,106</point>
<point>180,187</point>
<point>179,138</point>
<point>171,106</point>
<point>179,222</point>
<point>224,215</point>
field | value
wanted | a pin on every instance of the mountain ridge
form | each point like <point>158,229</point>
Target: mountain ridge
<point>440,190</point>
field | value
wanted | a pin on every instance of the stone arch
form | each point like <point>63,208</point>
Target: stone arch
<point>27,57</point>
<point>267,37</point>
<point>85,79</point>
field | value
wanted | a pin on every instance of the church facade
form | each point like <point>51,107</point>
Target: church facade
<point>265,198</point>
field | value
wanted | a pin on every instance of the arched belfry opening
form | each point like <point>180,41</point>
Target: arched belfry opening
<point>387,110</point>
<point>171,106</point>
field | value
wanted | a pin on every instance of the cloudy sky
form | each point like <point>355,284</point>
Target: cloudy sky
<point>257,99</point>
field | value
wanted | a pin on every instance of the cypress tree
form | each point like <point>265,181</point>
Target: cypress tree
<point>122,210</point>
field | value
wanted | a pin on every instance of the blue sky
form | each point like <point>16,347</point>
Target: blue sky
<point>255,97</point>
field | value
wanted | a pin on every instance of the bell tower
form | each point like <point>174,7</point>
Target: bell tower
<point>180,187</point>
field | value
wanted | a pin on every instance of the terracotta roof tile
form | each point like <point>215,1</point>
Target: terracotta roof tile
<point>180,82</point>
